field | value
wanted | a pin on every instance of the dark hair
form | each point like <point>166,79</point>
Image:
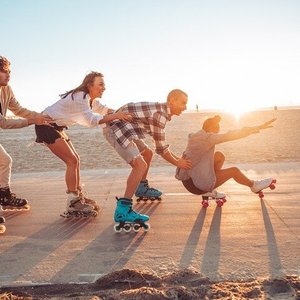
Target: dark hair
<point>4,63</point>
<point>88,80</point>
<point>210,122</point>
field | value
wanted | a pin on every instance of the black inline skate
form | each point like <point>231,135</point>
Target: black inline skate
<point>9,201</point>
<point>2,226</point>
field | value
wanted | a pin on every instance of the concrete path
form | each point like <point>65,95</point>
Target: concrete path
<point>246,238</point>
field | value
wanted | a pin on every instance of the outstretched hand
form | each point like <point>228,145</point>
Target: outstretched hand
<point>267,124</point>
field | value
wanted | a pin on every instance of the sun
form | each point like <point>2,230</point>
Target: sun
<point>238,111</point>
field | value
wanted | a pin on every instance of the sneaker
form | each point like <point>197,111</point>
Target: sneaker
<point>214,194</point>
<point>259,185</point>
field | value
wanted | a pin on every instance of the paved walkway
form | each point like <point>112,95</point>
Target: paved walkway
<point>245,238</point>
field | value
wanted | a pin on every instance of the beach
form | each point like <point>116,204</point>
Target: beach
<point>248,249</point>
<point>279,144</point>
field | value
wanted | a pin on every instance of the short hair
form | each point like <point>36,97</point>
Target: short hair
<point>175,93</point>
<point>4,63</point>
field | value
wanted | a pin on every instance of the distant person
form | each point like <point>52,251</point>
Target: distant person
<point>127,139</point>
<point>206,173</point>
<point>197,108</point>
<point>9,200</point>
<point>78,106</point>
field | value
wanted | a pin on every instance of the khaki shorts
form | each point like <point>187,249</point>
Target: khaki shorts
<point>132,151</point>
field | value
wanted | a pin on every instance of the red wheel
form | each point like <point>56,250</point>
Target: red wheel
<point>205,203</point>
<point>272,186</point>
<point>274,181</point>
<point>220,202</point>
<point>261,195</point>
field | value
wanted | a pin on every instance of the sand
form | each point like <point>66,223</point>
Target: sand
<point>185,284</point>
<point>279,144</point>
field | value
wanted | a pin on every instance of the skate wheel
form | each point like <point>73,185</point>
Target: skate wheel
<point>274,181</point>
<point>272,186</point>
<point>205,203</point>
<point>127,228</point>
<point>261,195</point>
<point>220,203</point>
<point>146,226</point>
<point>224,200</point>
<point>94,213</point>
<point>117,228</point>
<point>136,228</point>
<point>97,208</point>
<point>27,207</point>
<point>2,229</point>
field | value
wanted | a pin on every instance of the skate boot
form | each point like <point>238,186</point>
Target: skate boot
<point>2,226</point>
<point>87,200</point>
<point>127,218</point>
<point>220,198</point>
<point>76,208</point>
<point>9,201</point>
<point>259,185</point>
<point>144,192</point>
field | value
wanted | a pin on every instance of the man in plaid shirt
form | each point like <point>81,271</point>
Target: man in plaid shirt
<point>127,139</point>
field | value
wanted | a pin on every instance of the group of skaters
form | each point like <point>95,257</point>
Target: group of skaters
<point>200,168</point>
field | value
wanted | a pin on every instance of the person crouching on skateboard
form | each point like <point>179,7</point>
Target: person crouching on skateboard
<point>207,173</point>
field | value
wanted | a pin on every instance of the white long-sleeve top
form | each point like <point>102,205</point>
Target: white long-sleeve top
<point>69,111</point>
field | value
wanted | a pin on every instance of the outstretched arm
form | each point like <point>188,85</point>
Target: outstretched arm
<point>121,115</point>
<point>240,133</point>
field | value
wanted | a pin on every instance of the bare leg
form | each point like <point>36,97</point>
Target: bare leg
<point>235,173</point>
<point>139,167</point>
<point>78,164</point>
<point>62,150</point>
<point>147,155</point>
<point>219,160</point>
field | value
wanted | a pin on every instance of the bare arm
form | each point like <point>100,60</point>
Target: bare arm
<point>176,161</point>
<point>124,116</point>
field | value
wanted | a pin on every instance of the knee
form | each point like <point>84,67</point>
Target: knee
<point>148,153</point>
<point>235,170</point>
<point>72,161</point>
<point>139,164</point>
<point>219,156</point>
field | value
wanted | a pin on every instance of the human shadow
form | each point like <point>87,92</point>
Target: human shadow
<point>192,242</point>
<point>211,255</point>
<point>275,265</point>
<point>107,252</point>
<point>24,255</point>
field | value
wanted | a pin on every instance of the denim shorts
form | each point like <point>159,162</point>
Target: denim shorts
<point>132,151</point>
<point>48,135</point>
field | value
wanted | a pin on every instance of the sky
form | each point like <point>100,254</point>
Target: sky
<point>232,55</point>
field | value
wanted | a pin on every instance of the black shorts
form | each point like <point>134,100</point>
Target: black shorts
<point>189,185</point>
<point>48,135</point>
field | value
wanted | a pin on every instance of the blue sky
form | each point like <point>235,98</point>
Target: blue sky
<point>220,52</point>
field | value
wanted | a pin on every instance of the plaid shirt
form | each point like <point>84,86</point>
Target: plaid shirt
<point>148,118</point>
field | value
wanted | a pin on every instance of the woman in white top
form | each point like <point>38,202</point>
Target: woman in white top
<point>76,106</point>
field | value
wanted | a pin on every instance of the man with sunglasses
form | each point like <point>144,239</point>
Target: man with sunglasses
<point>8,200</point>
